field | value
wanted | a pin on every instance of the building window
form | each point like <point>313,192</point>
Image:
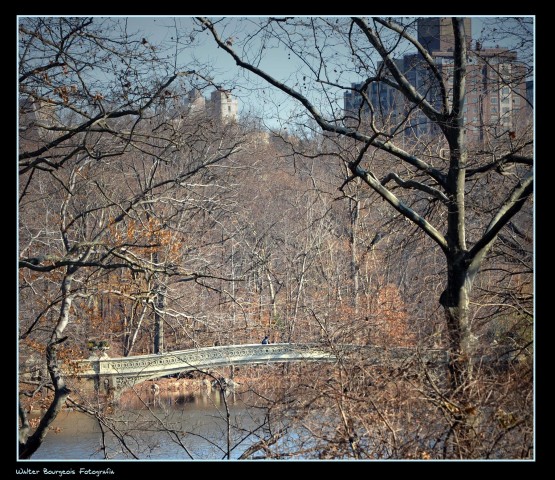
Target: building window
<point>505,69</point>
<point>494,109</point>
<point>505,91</point>
<point>516,100</point>
<point>493,99</point>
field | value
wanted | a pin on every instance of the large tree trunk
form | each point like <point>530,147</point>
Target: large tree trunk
<point>455,302</point>
<point>455,299</point>
<point>458,400</point>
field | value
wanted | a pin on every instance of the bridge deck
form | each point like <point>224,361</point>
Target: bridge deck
<point>123,372</point>
<point>126,371</point>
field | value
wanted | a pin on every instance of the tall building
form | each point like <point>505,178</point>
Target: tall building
<point>377,99</point>
<point>35,119</point>
<point>530,92</point>
<point>195,101</point>
<point>436,34</point>
<point>496,89</point>
<point>223,106</point>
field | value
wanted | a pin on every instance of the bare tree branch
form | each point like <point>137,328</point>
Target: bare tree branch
<point>414,184</point>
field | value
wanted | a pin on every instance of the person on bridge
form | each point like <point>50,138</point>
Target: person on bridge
<point>265,340</point>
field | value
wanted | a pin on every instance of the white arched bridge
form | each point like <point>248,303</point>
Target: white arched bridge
<point>117,374</point>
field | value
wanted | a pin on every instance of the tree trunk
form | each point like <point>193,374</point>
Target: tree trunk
<point>160,302</point>
<point>455,299</point>
<point>459,399</point>
<point>273,306</point>
<point>455,302</point>
<point>354,210</point>
<point>29,445</point>
<point>132,338</point>
<point>300,286</point>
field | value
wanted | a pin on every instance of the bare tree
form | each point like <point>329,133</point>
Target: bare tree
<point>449,178</point>
<point>148,224</point>
<point>106,162</point>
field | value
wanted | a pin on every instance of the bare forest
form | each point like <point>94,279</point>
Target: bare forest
<point>147,225</point>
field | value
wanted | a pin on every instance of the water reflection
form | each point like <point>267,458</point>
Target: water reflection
<point>199,399</point>
<point>168,425</point>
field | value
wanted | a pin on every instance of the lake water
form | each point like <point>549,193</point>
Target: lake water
<point>166,427</point>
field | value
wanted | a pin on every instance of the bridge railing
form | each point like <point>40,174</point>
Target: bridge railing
<point>201,358</point>
<point>116,374</point>
<point>245,353</point>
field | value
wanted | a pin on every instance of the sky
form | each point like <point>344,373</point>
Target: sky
<point>224,70</point>
<point>161,28</point>
<point>269,102</point>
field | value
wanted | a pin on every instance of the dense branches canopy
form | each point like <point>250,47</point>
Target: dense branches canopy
<point>376,190</point>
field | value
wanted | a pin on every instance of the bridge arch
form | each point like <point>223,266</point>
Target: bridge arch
<point>114,375</point>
